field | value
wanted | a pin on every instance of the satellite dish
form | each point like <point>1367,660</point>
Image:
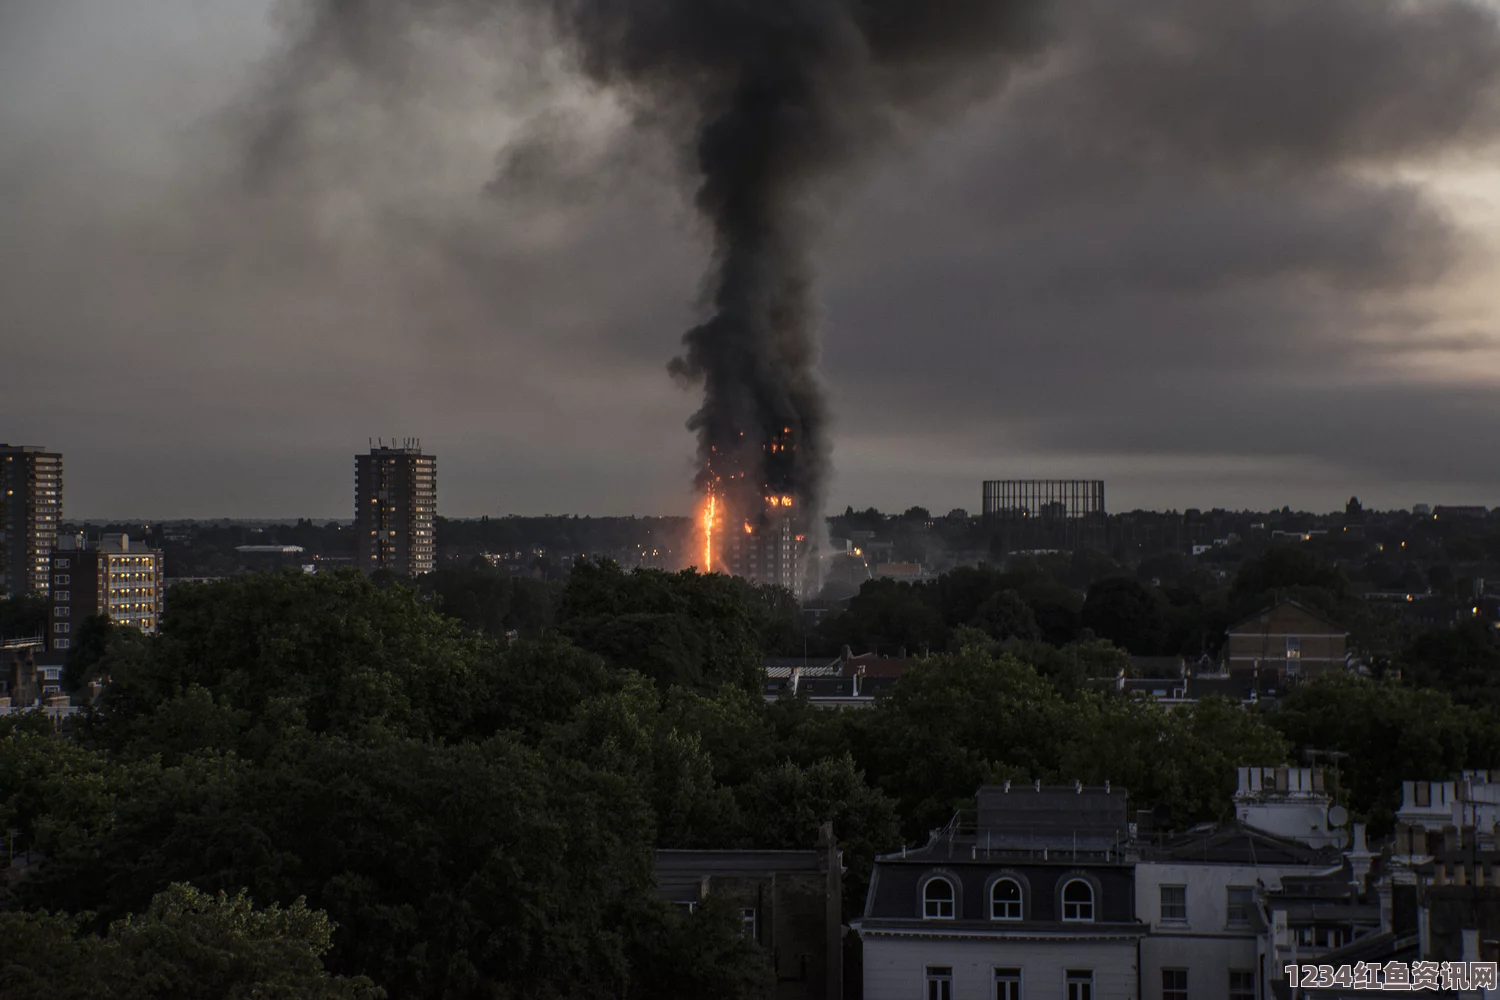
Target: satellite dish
<point>1338,816</point>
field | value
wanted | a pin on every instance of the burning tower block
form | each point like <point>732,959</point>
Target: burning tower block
<point>770,549</point>
<point>760,534</point>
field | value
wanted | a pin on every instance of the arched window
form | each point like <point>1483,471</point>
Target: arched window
<point>1078,900</point>
<point>1005,900</point>
<point>937,899</point>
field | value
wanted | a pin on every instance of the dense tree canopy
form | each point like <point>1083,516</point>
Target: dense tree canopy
<point>185,944</point>
<point>412,796</point>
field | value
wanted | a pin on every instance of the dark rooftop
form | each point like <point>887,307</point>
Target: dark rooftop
<point>1035,816</point>
<point>1237,843</point>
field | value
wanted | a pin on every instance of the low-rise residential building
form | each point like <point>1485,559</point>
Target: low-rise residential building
<point>25,684</point>
<point>1032,895</point>
<point>790,902</point>
<point>906,572</point>
<point>1471,800</point>
<point>1047,893</point>
<point>1192,683</point>
<point>1287,639</point>
<point>1200,893</point>
<point>846,682</point>
<point>1289,802</point>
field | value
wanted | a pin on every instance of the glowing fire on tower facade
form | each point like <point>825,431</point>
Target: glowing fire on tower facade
<point>755,528</point>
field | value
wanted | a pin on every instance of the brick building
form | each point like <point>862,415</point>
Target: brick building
<point>1287,639</point>
<point>113,576</point>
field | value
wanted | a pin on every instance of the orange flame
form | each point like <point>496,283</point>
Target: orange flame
<point>749,530</point>
<point>710,509</point>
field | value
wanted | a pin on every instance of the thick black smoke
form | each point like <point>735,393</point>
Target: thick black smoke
<point>772,102</point>
<point>777,100</point>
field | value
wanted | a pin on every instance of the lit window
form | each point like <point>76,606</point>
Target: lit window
<point>939,982</point>
<point>1078,900</point>
<point>1005,900</point>
<point>1293,647</point>
<point>1007,984</point>
<point>1174,984</point>
<point>747,922</point>
<point>61,627</point>
<point>1080,984</point>
<point>63,596</point>
<point>937,899</point>
<point>61,643</point>
<point>1174,902</point>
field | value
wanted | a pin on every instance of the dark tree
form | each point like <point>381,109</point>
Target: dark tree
<point>1126,613</point>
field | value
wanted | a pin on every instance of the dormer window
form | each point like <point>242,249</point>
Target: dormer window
<point>937,899</point>
<point>1005,900</point>
<point>1078,900</point>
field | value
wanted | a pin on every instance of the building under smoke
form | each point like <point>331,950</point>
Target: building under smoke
<point>1030,514</point>
<point>775,105</point>
<point>759,529</point>
<point>769,549</point>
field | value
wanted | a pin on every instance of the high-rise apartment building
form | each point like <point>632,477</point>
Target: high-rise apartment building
<point>31,493</point>
<point>770,550</point>
<point>113,576</point>
<point>395,509</point>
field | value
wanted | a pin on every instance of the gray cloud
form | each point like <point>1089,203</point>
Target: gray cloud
<point>1188,236</point>
<point>1186,250</point>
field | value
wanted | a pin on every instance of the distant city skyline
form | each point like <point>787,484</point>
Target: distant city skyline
<point>1121,498</point>
<point>1262,283</point>
<point>947,492</point>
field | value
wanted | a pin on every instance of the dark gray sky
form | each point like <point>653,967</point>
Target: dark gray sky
<point>1215,252</point>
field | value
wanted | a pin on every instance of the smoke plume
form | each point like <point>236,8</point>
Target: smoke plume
<point>771,104</point>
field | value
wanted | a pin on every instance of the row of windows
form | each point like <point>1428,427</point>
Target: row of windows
<point>1008,983</point>
<point>1006,900</point>
<point>1079,983</point>
<point>1239,903</point>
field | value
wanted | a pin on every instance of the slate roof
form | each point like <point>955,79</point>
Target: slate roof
<point>1255,618</point>
<point>1023,816</point>
<point>1238,843</point>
